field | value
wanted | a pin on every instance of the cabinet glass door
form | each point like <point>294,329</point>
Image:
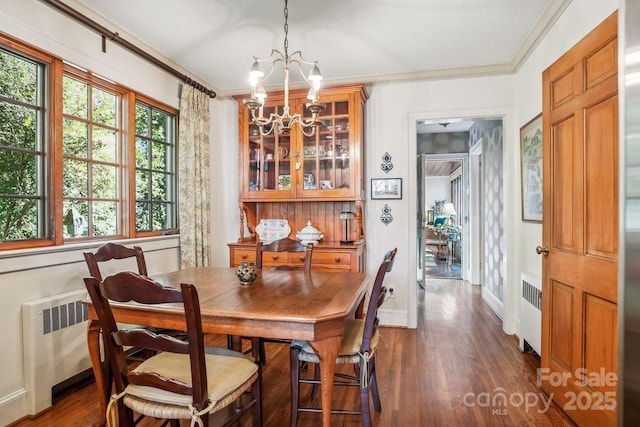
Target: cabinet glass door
<point>269,158</point>
<point>327,154</point>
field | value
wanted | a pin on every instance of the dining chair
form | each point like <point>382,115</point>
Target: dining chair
<point>288,248</point>
<point>182,380</point>
<point>359,344</point>
<point>111,251</point>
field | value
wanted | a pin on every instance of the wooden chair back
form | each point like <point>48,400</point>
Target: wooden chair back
<point>110,251</point>
<point>378,293</point>
<point>289,246</point>
<point>128,286</point>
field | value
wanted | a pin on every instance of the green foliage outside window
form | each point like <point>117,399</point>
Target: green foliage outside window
<point>155,200</point>
<point>91,167</point>
<point>21,152</point>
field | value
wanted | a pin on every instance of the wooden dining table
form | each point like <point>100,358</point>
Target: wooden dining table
<point>279,304</point>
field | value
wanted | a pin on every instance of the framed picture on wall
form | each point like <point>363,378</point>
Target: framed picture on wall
<point>531,169</point>
<point>386,188</point>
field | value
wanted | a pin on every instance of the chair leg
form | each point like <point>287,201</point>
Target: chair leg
<point>316,377</point>
<point>256,393</point>
<point>258,345</point>
<point>373,383</point>
<point>364,403</point>
<point>294,369</point>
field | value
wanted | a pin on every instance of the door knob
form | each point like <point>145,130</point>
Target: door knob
<point>544,250</point>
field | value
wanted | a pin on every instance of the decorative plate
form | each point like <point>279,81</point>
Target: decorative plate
<point>273,229</point>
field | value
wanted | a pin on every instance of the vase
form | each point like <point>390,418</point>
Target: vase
<point>247,273</point>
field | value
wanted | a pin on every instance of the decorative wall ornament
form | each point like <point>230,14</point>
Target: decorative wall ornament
<point>386,165</point>
<point>386,216</point>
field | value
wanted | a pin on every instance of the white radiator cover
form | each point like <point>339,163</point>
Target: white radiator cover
<point>530,311</point>
<point>54,342</point>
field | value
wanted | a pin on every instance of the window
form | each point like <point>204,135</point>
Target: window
<point>155,169</point>
<point>22,152</point>
<point>91,148</point>
<point>81,157</point>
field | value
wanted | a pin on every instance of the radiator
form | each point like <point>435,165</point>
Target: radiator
<point>54,343</point>
<point>530,311</point>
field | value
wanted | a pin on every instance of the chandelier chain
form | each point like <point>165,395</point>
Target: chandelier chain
<point>286,29</point>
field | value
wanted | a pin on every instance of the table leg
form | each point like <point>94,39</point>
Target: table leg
<point>327,351</point>
<point>93,342</point>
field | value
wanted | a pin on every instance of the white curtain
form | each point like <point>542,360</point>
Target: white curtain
<point>193,177</point>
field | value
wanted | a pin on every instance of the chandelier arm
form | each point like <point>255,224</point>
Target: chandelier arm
<point>301,58</point>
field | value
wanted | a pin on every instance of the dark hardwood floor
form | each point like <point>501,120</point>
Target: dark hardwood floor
<point>452,370</point>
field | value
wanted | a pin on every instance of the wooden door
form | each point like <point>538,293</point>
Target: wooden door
<point>580,228</point>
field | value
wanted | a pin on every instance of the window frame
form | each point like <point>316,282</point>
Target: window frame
<point>54,69</point>
<point>132,170</point>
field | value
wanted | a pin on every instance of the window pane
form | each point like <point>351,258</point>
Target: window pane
<point>105,144</point>
<point>74,137</point>
<point>18,173</point>
<point>142,185</point>
<point>18,78</point>
<point>105,182</point>
<point>142,120</point>
<point>104,107</point>
<point>75,98</point>
<point>105,216</point>
<point>18,126</point>
<point>142,153</point>
<point>75,218</point>
<point>75,182</point>
<point>159,161</point>
<point>159,186</point>
<point>159,217</point>
<point>158,126</point>
<point>18,219</point>
<point>142,216</point>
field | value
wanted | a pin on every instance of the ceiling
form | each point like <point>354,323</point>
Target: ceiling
<point>441,168</point>
<point>370,41</point>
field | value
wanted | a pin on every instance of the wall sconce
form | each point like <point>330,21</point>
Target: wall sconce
<point>346,216</point>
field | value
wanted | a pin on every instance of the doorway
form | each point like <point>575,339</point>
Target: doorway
<point>443,213</point>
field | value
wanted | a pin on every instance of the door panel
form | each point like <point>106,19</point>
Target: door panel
<point>601,188</point>
<point>599,343</point>
<point>580,227</point>
<point>564,197</point>
<point>561,314</point>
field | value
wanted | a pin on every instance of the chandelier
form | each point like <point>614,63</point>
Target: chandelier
<point>257,77</point>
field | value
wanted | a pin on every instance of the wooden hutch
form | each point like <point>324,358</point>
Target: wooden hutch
<point>287,175</point>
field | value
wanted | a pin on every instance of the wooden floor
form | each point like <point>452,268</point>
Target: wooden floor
<point>452,370</point>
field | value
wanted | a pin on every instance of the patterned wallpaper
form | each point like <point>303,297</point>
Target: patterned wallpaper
<point>494,271</point>
<point>443,143</point>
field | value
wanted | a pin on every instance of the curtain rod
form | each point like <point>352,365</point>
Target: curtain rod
<point>115,37</point>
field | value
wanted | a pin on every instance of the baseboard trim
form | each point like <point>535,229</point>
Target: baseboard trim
<point>13,407</point>
<point>393,317</point>
<point>493,302</point>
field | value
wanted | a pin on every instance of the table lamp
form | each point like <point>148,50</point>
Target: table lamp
<point>346,216</point>
<point>448,210</point>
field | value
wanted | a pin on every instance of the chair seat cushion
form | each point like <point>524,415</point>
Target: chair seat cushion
<point>226,374</point>
<point>351,344</point>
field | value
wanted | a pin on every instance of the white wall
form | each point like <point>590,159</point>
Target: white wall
<point>438,188</point>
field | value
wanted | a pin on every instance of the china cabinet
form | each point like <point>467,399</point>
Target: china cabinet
<point>285,174</point>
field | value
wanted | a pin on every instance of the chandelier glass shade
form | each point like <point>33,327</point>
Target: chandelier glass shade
<point>289,62</point>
